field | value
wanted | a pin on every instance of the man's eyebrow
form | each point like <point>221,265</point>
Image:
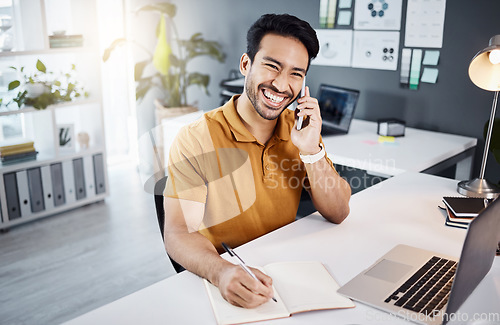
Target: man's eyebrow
<point>268,58</point>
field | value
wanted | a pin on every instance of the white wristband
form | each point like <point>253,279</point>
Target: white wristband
<point>311,159</point>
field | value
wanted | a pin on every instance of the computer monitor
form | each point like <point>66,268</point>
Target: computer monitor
<point>337,106</point>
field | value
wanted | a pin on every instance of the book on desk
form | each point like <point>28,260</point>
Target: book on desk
<point>460,211</point>
<point>298,287</point>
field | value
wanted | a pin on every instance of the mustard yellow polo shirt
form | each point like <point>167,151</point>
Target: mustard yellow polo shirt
<point>248,188</point>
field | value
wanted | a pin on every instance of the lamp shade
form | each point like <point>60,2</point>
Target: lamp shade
<point>483,71</point>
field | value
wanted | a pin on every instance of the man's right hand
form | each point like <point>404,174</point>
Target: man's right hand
<point>240,289</point>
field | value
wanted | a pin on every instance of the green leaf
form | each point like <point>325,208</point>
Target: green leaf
<point>166,8</point>
<point>57,83</point>
<point>143,86</point>
<point>199,79</point>
<point>14,84</point>
<point>112,47</point>
<point>139,69</point>
<point>197,46</point>
<point>161,57</point>
<point>40,66</point>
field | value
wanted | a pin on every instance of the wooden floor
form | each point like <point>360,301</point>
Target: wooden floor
<point>60,267</point>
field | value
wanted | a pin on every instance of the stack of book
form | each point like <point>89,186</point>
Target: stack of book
<point>56,41</point>
<point>462,210</point>
<point>17,150</point>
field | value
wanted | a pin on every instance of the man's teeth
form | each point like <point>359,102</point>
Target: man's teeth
<point>274,98</point>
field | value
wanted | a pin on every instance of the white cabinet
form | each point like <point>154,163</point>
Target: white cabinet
<point>60,33</point>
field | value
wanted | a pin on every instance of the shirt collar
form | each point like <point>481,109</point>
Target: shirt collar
<point>241,133</point>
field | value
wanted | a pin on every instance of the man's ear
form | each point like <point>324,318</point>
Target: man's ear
<point>245,64</point>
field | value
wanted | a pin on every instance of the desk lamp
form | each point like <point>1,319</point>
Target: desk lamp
<point>484,71</point>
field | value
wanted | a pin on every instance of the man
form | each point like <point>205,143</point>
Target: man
<point>238,172</point>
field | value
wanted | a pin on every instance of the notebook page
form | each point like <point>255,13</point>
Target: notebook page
<point>306,286</point>
<point>225,313</point>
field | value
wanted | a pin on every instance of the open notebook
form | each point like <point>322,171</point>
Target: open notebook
<point>298,287</point>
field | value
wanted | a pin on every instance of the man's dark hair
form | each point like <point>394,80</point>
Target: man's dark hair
<point>283,25</point>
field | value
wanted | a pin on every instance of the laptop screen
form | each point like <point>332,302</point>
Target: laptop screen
<point>337,106</point>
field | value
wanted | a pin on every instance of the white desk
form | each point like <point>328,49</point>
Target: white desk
<point>402,209</point>
<point>417,151</point>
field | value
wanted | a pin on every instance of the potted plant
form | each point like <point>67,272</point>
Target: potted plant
<point>44,88</point>
<point>166,69</point>
<point>169,62</point>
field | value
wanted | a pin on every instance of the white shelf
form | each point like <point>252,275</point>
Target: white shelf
<point>32,19</point>
<point>30,109</point>
<point>63,208</point>
<point>49,158</point>
<point>50,51</point>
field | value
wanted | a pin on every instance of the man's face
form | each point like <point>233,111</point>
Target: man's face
<point>274,78</point>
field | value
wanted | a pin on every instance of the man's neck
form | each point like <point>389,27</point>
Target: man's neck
<point>258,126</point>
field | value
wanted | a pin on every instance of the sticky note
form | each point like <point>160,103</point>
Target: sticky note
<point>383,139</point>
<point>344,17</point>
<point>431,57</point>
<point>405,66</point>
<point>430,75</point>
<point>416,63</point>
<point>345,4</point>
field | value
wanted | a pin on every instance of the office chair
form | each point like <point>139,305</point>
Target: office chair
<point>160,214</point>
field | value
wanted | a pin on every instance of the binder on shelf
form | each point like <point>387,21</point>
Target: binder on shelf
<point>10,184</point>
<point>48,195</point>
<point>23,192</point>
<point>68,181</point>
<point>36,189</point>
<point>79,179</point>
<point>100,186</point>
<point>57,184</point>
<point>88,168</point>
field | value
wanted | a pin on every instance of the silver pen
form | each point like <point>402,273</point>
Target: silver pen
<point>241,263</point>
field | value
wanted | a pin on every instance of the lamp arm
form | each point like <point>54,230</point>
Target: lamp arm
<point>488,135</point>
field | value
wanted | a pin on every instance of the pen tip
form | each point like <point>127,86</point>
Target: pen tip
<point>275,299</point>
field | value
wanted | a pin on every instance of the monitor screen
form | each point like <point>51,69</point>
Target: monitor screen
<point>337,105</point>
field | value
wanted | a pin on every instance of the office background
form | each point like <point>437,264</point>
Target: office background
<point>59,267</point>
<point>452,105</point>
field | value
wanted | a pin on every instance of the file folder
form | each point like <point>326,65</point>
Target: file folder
<point>88,169</point>
<point>99,174</point>
<point>47,188</point>
<point>23,192</point>
<point>79,178</point>
<point>36,190</point>
<point>57,184</point>
<point>10,184</point>
<point>68,181</point>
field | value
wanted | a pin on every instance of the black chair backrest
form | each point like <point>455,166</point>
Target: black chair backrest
<point>160,214</point>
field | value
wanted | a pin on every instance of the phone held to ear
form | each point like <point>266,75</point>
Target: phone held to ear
<point>302,94</point>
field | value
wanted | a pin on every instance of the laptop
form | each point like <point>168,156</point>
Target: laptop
<point>420,285</point>
<point>337,106</point>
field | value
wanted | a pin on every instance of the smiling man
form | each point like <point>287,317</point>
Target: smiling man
<point>238,172</point>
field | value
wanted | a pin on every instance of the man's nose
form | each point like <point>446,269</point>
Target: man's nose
<point>281,82</point>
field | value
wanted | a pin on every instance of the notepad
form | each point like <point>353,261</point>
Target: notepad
<point>464,206</point>
<point>298,287</point>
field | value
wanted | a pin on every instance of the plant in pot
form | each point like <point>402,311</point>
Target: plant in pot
<point>167,68</point>
<point>44,88</point>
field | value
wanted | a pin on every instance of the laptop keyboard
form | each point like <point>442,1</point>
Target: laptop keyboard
<point>428,289</point>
